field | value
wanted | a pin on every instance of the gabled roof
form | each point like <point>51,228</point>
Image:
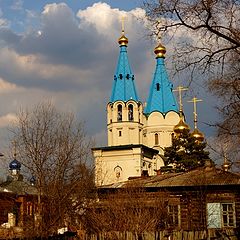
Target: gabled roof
<point>161,98</point>
<point>197,177</point>
<point>123,88</point>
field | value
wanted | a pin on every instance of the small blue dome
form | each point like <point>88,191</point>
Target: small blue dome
<point>32,180</point>
<point>15,165</point>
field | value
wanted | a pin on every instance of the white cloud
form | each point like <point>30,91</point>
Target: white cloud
<point>53,8</point>
<point>73,60</point>
<point>7,120</point>
<point>6,86</point>
<point>107,20</point>
<point>101,15</point>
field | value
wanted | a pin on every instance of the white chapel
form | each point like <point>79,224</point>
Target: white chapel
<point>137,135</point>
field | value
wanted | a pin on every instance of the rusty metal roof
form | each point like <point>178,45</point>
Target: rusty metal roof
<point>197,177</point>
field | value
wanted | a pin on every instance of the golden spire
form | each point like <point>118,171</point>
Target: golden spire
<point>123,19</point>
<point>196,133</point>
<point>226,164</point>
<point>123,40</point>
<point>181,126</point>
<point>194,101</point>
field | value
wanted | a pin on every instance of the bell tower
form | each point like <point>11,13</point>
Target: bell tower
<point>161,112</point>
<point>124,110</point>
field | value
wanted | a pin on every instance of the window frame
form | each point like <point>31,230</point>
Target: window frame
<point>215,215</point>
<point>228,214</point>
<point>174,216</point>
<point>156,139</point>
<point>119,112</point>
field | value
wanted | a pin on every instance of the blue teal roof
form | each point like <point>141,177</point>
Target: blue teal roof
<point>123,84</point>
<point>161,98</point>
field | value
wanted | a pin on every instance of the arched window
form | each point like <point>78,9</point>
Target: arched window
<point>156,139</point>
<point>158,86</point>
<point>119,113</point>
<point>118,171</point>
<point>130,112</point>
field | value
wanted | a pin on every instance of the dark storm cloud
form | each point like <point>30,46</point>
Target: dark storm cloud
<point>9,38</point>
<point>64,41</point>
<point>61,40</point>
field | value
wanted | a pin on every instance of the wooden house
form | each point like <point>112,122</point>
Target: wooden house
<point>200,199</point>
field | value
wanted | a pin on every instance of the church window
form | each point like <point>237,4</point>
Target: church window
<point>120,133</point>
<point>145,173</point>
<point>119,116</point>
<point>118,171</point>
<point>128,76</point>
<point>130,112</point>
<point>158,86</point>
<point>172,136</point>
<point>156,139</point>
<point>132,77</point>
<point>120,76</point>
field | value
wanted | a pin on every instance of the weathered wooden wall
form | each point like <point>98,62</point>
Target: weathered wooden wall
<point>6,206</point>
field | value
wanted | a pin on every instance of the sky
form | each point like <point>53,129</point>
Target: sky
<point>66,52</point>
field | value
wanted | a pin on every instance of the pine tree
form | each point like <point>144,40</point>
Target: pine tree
<point>186,152</point>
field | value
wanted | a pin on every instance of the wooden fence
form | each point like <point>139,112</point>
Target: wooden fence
<point>163,235</point>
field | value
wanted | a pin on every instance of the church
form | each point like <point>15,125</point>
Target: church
<point>137,134</point>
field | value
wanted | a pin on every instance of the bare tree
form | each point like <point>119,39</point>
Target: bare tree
<point>214,23</point>
<point>209,44</point>
<point>53,148</point>
<point>129,209</point>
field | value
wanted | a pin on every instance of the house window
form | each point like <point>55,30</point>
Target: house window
<point>156,139</point>
<point>220,215</point>
<point>227,215</point>
<point>119,116</point>
<point>173,215</point>
<point>130,112</point>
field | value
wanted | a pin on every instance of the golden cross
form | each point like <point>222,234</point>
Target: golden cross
<point>123,19</point>
<point>194,101</point>
<point>14,148</point>
<point>180,89</point>
<point>158,32</point>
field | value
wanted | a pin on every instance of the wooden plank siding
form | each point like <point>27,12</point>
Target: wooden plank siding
<point>7,204</point>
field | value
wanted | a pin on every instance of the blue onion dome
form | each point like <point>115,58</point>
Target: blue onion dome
<point>15,165</point>
<point>32,180</point>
